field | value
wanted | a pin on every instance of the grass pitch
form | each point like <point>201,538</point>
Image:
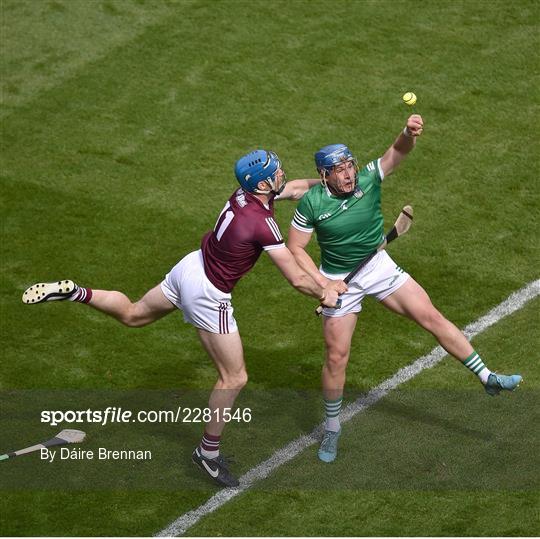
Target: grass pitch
<point>121,122</point>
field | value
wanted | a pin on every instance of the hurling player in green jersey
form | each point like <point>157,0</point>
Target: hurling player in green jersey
<point>345,212</point>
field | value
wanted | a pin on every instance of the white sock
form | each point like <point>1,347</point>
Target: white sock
<point>209,454</point>
<point>475,364</point>
<point>333,424</point>
<point>484,375</point>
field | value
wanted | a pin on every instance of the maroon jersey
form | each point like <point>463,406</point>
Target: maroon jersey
<point>244,228</point>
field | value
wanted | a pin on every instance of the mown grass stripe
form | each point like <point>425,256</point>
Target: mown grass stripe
<point>50,58</point>
<point>512,304</point>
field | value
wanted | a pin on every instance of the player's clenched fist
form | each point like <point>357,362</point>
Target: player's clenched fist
<point>329,297</point>
<point>338,285</point>
<point>415,125</point>
<point>331,292</point>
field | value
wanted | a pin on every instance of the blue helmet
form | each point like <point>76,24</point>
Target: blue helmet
<point>258,166</point>
<point>330,156</point>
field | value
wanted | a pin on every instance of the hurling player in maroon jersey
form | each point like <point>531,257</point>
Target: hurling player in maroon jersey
<point>200,285</point>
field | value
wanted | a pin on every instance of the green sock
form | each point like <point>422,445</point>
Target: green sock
<point>475,364</point>
<point>331,409</point>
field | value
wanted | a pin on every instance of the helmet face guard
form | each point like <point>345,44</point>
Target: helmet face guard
<point>260,166</point>
<point>331,156</point>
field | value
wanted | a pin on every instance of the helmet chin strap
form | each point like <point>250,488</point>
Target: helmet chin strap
<point>280,190</point>
<point>271,183</point>
<point>333,190</point>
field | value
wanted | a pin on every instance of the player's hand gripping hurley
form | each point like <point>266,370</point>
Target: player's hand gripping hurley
<point>401,226</point>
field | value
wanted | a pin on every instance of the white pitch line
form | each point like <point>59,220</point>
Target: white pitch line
<point>510,305</point>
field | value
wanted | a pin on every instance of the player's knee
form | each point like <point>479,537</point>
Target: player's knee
<point>236,380</point>
<point>242,379</point>
<point>132,318</point>
<point>336,360</point>
<point>132,322</point>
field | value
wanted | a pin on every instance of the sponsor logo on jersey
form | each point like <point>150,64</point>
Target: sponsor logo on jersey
<point>344,206</point>
<point>324,216</point>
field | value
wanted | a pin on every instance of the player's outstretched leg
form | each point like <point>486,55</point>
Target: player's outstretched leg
<point>56,291</point>
<point>151,307</point>
<point>411,300</point>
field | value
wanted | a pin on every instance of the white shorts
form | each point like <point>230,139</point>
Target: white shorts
<point>380,277</point>
<point>202,304</point>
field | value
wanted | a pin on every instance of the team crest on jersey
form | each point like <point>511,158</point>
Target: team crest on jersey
<point>358,193</point>
<point>241,198</point>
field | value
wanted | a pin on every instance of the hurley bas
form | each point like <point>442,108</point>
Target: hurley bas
<point>102,453</point>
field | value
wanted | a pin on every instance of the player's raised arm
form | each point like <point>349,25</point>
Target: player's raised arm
<point>403,144</point>
<point>298,278</point>
<point>295,189</point>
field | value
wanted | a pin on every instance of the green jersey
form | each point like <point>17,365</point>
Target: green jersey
<point>348,229</point>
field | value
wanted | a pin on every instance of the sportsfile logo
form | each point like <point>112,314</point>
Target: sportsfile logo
<point>113,414</point>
